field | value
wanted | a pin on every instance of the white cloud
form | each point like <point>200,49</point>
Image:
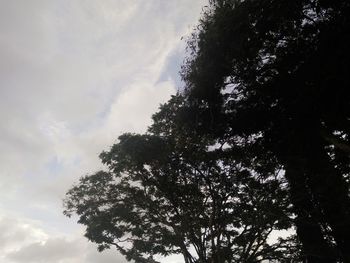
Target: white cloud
<point>53,250</point>
<point>15,233</point>
<point>74,75</point>
<point>62,250</point>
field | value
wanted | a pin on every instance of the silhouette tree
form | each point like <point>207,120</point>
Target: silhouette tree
<point>279,70</point>
<point>170,191</point>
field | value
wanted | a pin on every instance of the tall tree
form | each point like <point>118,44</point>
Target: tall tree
<point>280,70</point>
<point>171,191</point>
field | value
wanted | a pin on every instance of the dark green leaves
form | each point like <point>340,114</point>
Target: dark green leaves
<point>172,191</point>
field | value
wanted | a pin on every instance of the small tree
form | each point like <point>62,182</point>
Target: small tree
<point>170,191</point>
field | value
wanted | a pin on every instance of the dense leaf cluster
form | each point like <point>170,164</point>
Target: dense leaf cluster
<point>258,142</point>
<point>171,191</point>
<point>280,70</point>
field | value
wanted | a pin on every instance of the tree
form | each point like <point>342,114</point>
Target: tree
<point>170,191</point>
<point>280,70</point>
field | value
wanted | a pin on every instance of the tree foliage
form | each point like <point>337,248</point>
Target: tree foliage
<point>171,191</point>
<point>280,70</point>
<point>259,141</point>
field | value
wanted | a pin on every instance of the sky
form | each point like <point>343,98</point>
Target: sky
<point>74,75</point>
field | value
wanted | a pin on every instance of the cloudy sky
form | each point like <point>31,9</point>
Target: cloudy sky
<point>73,76</point>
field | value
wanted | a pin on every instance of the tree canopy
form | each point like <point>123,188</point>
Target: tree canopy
<point>280,70</point>
<point>258,141</point>
<point>170,191</point>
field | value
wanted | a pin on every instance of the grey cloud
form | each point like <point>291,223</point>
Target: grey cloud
<point>60,250</point>
<point>73,76</point>
<point>53,251</point>
<point>24,241</point>
<point>11,232</point>
<point>15,233</point>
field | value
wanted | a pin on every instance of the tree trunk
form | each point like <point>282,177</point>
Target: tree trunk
<point>331,192</point>
<point>315,247</point>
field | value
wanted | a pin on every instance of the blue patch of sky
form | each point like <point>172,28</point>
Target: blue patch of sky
<point>172,68</point>
<point>55,166</point>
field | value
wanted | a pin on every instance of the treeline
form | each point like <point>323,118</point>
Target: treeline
<point>257,143</point>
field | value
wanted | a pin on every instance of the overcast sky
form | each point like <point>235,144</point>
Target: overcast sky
<point>74,75</point>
